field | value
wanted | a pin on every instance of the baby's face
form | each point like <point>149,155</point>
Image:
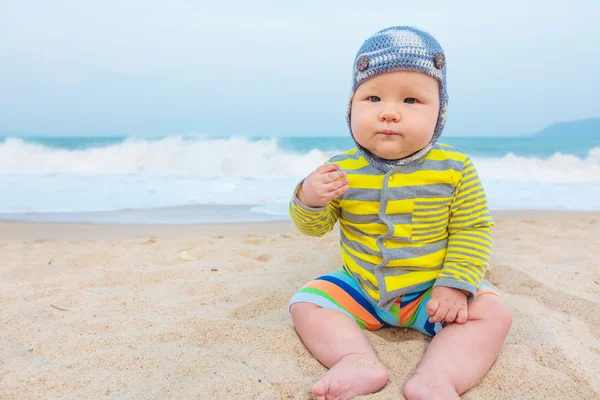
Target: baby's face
<point>394,115</point>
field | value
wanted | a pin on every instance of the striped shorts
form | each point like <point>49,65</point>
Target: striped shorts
<point>338,290</point>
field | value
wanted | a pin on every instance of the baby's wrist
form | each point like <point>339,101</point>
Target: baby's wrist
<point>300,196</point>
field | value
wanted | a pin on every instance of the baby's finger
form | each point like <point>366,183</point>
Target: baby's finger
<point>323,169</point>
<point>333,176</point>
<point>335,185</point>
<point>451,315</point>
<point>432,307</point>
<point>440,314</point>
<point>338,192</point>
<point>463,315</point>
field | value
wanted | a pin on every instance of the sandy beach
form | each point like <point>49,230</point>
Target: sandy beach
<point>199,311</point>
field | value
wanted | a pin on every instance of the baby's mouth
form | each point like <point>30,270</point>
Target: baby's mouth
<point>388,132</point>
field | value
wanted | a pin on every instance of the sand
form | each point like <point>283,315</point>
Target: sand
<point>114,311</point>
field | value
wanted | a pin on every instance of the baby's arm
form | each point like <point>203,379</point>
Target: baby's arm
<point>468,251</point>
<point>314,208</point>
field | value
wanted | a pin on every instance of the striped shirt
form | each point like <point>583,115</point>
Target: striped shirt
<point>427,221</point>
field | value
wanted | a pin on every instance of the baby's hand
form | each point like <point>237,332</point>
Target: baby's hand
<point>323,185</point>
<point>447,304</point>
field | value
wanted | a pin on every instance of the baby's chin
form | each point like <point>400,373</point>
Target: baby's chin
<point>392,154</point>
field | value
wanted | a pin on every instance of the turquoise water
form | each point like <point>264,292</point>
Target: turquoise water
<point>194,179</point>
<point>530,146</point>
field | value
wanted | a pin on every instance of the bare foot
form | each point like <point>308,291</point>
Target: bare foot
<point>353,375</point>
<point>420,387</point>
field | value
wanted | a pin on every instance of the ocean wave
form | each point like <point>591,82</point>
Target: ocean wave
<point>259,159</point>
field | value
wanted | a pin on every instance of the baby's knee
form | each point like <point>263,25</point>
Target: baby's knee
<point>496,310</point>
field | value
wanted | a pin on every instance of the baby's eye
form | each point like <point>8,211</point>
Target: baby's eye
<point>410,100</point>
<point>374,99</point>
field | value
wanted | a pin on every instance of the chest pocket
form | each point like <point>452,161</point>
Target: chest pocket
<point>430,217</point>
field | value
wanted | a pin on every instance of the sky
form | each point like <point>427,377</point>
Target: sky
<point>270,68</point>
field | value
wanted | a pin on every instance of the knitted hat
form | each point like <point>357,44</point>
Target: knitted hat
<point>401,48</point>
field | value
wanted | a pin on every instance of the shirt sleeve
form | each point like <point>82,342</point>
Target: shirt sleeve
<point>470,235</point>
<point>313,221</point>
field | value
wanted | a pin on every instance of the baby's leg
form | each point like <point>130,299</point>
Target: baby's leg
<point>337,341</point>
<point>461,354</point>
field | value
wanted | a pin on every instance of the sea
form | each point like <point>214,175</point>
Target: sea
<point>188,179</point>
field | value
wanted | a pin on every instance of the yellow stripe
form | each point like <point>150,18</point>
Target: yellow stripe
<point>479,247</point>
<point>358,181</point>
<point>442,155</point>
<point>425,215</point>
<point>354,267</point>
<point>361,256</point>
<point>439,235</point>
<point>464,276</point>
<point>373,293</point>
<point>410,279</point>
<point>352,164</point>
<point>364,240</point>
<point>361,207</point>
<point>402,231</point>
<point>450,258</point>
<point>399,206</point>
<point>468,213</point>
<point>426,177</point>
<point>428,261</point>
<point>452,227</point>
<point>369,229</point>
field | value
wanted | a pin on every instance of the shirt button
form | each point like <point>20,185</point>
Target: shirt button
<point>385,243</point>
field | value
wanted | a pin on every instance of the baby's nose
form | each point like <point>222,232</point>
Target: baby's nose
<point>390,115</point>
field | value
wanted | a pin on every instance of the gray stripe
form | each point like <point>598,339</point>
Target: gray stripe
<point>362,194</point>
<point>358,246</point>
<point>429,227</point>
<point>470,184</point>
<point>447,268</point>
<point>341,157</point>
<point>400,218</point>
<point>472,177</point>
<point>486,218</point>
<point>458,246</point>
<point>461,236</point>
<point>425,165</point>
<point>462,196</point>
<point>360,218</point>
<point>475,201</point>
<point>472,216</point>
<point>486,244</point>
<point>404,253</point>
<point>404,193</point>
<point>399,271</point>
<point>460,201</point>
<point>452,254</point>
<point>441,204</point>
<point>443,213</point>
<point>432,190</point>
<point>429,165</point>
<point>363,264</point>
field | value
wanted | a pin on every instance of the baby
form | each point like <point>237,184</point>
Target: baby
<point>415,233</point>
